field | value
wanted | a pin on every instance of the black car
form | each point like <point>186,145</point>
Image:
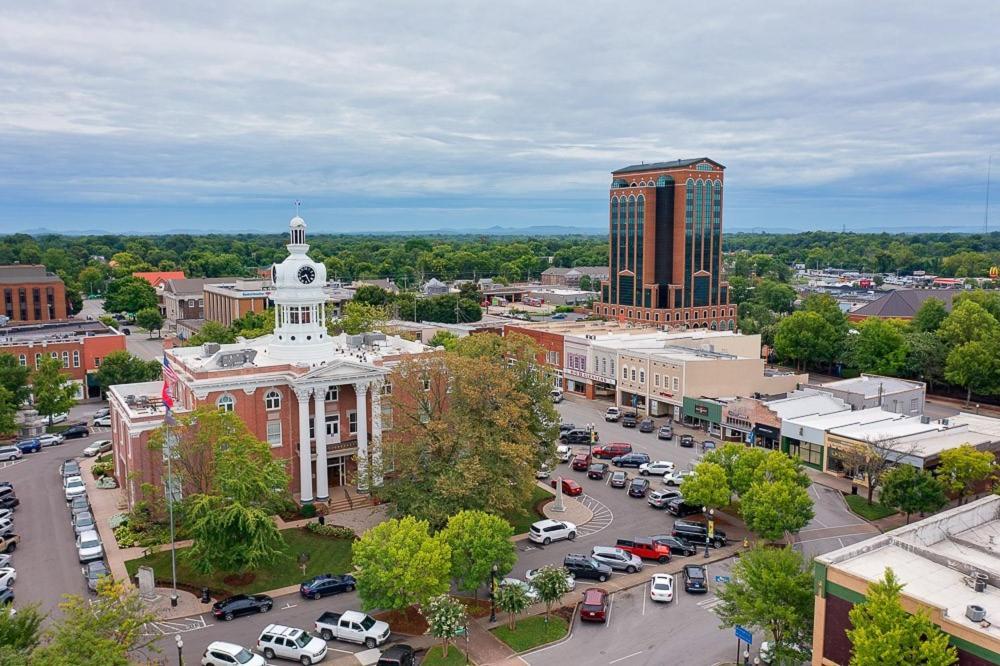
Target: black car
<point>677,545</point>
<point>619,479</point>
<point>680,508</point>
<point>687,441</point>
<point>638,487</point>
<point>646,425</point>
<point>242,604</point>
<point>697,533</point>
<point>629,420</point>
<point>630,460</point>
<point>585,566</point>
<point>397,655</point>
<point>8,500</point>
<point>325,584</point>
<point>695,579</point>
<point>566,427</point>
<point>597,471</point>
<point>76,431</point>
<point>578,436</point>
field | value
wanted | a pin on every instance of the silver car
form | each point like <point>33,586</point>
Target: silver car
<point>88,547</point>
<point>83,522</point>
<point>93,572</point>
<point>617,559</point>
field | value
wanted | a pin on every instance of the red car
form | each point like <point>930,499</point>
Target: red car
<point>595,605</point>
<point>569,486</point>
<point>647,549</point>
<point>581,462</point>
<point>612,450</point>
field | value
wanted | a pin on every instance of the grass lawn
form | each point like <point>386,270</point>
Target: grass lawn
<point>523,523</point>
<point>326,555</point>
<point>532,632</point>
<point>434,658</point>
<point>860,506</point>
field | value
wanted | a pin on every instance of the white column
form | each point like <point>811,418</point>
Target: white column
<point>361,393</point>
<point>305,452</point>
<point>322,485</point>
<point>377,465</point>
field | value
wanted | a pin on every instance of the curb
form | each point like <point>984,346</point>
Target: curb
<point>558,641</point>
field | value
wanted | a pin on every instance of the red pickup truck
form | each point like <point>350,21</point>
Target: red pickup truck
<point>647,549</point>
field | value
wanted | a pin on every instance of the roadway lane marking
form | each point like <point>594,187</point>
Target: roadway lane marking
<point>628,656</point>
<point>644,595</point>
<point>288,605</point>
<point>603,517</point>
<point>165,627</point>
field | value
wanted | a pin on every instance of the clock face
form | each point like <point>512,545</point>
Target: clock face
<point>306,274</point>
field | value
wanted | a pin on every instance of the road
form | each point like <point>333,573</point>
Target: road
<point>138,342</point>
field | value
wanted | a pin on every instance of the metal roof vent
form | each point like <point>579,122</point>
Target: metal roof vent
<point>975,613</point>
<point>209,348</point>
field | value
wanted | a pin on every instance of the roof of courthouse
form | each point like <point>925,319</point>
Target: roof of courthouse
<point>655,166</point>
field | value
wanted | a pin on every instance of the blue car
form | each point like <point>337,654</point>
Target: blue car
<point>325,584</point>
<point>30,446</point>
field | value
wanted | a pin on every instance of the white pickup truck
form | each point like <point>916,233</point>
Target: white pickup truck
<point>352,627</point>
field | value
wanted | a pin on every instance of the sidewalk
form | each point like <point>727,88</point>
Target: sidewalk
<point>575,512</point>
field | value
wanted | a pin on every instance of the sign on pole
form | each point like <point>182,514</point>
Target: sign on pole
<point>743,634</point>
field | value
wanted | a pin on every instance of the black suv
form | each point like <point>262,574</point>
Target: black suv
<point>630,460</point>
<point>584,566</point>
<point>687,441</point>
<point>679,508</point>
<point>696,533</point>
<point>325,584</point>
<point>695,579</point>
<point>397,655</point>
<point>78,430</point>
<point>677,545</point>
<point>578,436</point>
<point>629,420</point>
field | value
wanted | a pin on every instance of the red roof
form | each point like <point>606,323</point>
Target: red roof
<point>157,278</point>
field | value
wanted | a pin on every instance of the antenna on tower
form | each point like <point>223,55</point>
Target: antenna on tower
<point>986,214</point>
<point>297,204</point>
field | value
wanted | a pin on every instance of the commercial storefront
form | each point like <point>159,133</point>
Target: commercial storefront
<point>703,413</point>
<point>749,420</point>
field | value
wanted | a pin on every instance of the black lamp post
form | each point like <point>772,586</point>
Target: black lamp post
<point>708,533</point>
<point>493,589</point>
<point>180,647</point>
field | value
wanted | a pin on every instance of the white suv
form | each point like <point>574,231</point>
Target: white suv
<point>74,487</point>
<point>613,414</point>
<point>657,467</point>
<point>290,643</point>
<point>219,653</point>
<point>547,531</point>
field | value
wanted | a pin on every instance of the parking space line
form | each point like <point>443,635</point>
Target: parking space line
<point>628,656</point>
<point>644,595</point>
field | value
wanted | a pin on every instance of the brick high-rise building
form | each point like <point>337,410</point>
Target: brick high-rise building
<point>665,259</point>
<point>32,294</point>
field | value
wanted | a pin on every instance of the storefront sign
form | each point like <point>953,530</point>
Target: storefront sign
<point>701,410</point>
<point>570,372</point>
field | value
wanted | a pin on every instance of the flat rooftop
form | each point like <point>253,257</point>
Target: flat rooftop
<point>141,399</point>
<point>53,332</point>
<point>871,386</point>
<point>925,437</point>
<point>845,418</point>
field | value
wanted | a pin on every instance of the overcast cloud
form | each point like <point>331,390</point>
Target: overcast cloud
<point>388,115</point>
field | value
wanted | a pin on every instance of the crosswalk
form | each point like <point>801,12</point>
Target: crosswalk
<point>603,516</point>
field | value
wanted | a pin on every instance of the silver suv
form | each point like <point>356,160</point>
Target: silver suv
<point>617,559</point>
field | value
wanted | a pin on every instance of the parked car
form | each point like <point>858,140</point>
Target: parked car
<point>83,522</point>
<point>6,526</point>
<point>7,597</point>
<point>766,653</point>
<point>677,545</point>
<point>578,436</point>
<point>530,574</point>
<point>220,653</point>
<point>708,445</point>
<point>29,445</point>
<point>597,471</point>
<point>566,427</point>
<point>657,467</point>
<point>646,425</point>
<point>547,531</point>
<point>103,421</point>
<point>51,439</point>
<point>126,331</point>
<point>58,418</point>
<point>290,643</point>
<point>665,432</point>
<point>76,431</point>
<point>352,627</point>
<point>327,584</point>
<point>529,591</point>
<point>79,503</point>
<point>613,414</point>
<point>564,453</point>
<point>10,453</point>
<point>7,576</point>
<point>93,572</point>
<point>569,487</point>
<point>678,507</point>
<point>676,478</point>
<point>638,487</point>
<point>97,447</point>
<point>543,472</point>
<point>559,315</point>
<point>88,547</point>
<point>74,486</point>
<point>687,441</point>
<point>659,499</point>
<point>630,460</point>
<point>697,533</point>
<point>242,604</point>
<point>661,587</point>
<point>594,607</point>
<point>7,499</point>
<point>695,579</point>
<point>585,566</point>
<point>581,462</point>
<point>6,513</point>
<point>557,395</point>
<point>646,549</point>
<point>103,411</point>
<point>69,467</point>
<point>629,420</point>
<point>8,543</point>
<point>619,479</point>
<point>400,654</point>
<point>617,559</point>
<point>612,450</point>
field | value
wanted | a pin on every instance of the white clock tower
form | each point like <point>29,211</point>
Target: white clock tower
<point>300,334</point>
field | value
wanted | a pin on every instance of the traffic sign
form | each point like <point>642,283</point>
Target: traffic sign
<point>744,634</point>
<point>722,579</point>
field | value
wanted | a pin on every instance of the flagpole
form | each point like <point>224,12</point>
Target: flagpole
<point>168,420</point>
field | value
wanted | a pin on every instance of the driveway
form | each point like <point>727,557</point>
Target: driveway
<point>834,525</point>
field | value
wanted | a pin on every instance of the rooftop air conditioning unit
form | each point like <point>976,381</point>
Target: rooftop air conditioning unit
<point>975,613</point>
<point>925,419</point>
<point>209,348</point>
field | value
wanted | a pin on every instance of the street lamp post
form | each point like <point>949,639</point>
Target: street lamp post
<point>180,647</point>
<point>170,505</point>
<point>746,657</point>
<point>711,529</point>
<point>493,593</point>
<point>590,450</point>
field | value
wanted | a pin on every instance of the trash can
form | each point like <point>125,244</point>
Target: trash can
<point>322,520</point>
<point>854,489</point>
<point>204,596</point>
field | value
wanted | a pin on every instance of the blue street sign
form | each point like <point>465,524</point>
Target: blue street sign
<point>722,579</point>
<point>744,634</point>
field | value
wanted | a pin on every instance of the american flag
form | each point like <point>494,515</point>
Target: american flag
<point>168,372</point>
<point>169,377</point>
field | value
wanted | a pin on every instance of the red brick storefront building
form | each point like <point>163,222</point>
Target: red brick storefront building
<point>29,293</point>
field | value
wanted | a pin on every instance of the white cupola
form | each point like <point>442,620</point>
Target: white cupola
<point>300,333</point>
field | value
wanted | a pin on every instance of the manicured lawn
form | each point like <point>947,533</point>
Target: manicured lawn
<point>522,523</point>
<point>532,632</point>
<point>325,556</point>
<point>434,658</point>
<point>860,506</point>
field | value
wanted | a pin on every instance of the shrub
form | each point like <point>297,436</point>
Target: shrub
<point>307,511</point>
<point>102,469</point>
<point>104,457</point>
<point>332,531</point>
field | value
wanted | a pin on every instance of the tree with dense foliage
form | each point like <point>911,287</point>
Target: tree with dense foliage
<point>772,589</point>
<point>975,366</point>
<point>446,619</point>
<point>129,294</point>
<point>965,467</point>
<point>925,357</point>
<point>708,486</point>
<point>211,331</point>
<point>445,339</point>
<point>805,337</point>
<point>371,294</point>
<point>968,322</point>
<point>122,367</point>
<point>989,300</point>
<point>872,459</point>
<point>912,490</point>
<point>513,600</point>
<point>776,296</point>
<point>550,583</point>
<point>359,317</point>
<point>8,413</point>
<point>19,634</point>
<point>772,510</point>
<point>15,378</point>
<point>883,634</point>
<point>878,347</point>
<point>744,468</point>
<point>399,563</point>
<point>930,315</point>
<point>52,389</point>
<point>150,319</point>
<point>478,541</point>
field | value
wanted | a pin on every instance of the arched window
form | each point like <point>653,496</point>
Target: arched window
<point>226,403</point>
<point>731,325</point>
<point>272,400</point>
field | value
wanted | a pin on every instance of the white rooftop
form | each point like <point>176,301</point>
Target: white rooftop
<point>804,402</point>
<point>925,439</point>
<point>142,398</point>
<point>871,386</point>
<point>839,419</point>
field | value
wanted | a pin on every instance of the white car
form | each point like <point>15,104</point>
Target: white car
<point>103,411</point>
<point>51,439</point>
<point>613,414</point>
<point>676,478</point>
<point>10,453</point>
<point>7,576</point>
<point>97,448</point>
<point>657,467</point>
<point>88,547</point>
<point>530,574</point>
<point>74,487</point>
<point>103,421</point>
<point>543,472</point>
<point>529,590</point>
<point>291,643</point>
<point>557,395</point>
<point>661,587</point>
<point>564,453</point>
<point>219,653</point>
<point>59,418</point>
<point>6,526</point>
<point>5,559</point>
<point>6,513</point>
<point>547,531</point>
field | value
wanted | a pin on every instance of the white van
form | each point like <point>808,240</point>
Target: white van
<point>557,395</point>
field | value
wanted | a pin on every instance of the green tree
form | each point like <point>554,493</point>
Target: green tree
<point>964,467</point>
<point>478,541</point>
<point>445,339</point>
<point>129,294</point>
<point>805,337</point>
<point>878,347</point>
<point>975,366</point>
<point>19,633</point>
<point>773,509</point>
<point>511,599</point>
<point>550,582</point>
<point>370,294</point>
<point>929,317</point>
<point>91,279</point>
<point>150,319</point>
<point>775,296</point>
<point>925,357</point>
<point>363,318</point>
<point>968,322</point>
<point>446,619</point>
<point>827,307</point>
<point>709,486</point>
<point>54,392</point>
<point>990,300</point>
<point>14,377</point>
<point>398,563</point>
<point>585,283</point>
<point>211,331</point>
<point>883,634</point>
<point>772,589</point>
<point>745,468</point>
<point>8,413</point>
<point>122,367</point>
<point>912,490</point>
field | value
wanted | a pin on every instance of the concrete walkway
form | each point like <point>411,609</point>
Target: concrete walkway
<point>575,511</point>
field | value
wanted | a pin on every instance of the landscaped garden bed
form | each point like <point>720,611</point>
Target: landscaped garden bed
<point>874,511</point>
<point>534,631</point>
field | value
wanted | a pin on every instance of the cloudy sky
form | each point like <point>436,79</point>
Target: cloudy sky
<point>158,116</point>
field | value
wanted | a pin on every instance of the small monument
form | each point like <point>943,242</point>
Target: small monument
<point>32,425</point>
<point>559,506</point>
<point>147,583</point>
